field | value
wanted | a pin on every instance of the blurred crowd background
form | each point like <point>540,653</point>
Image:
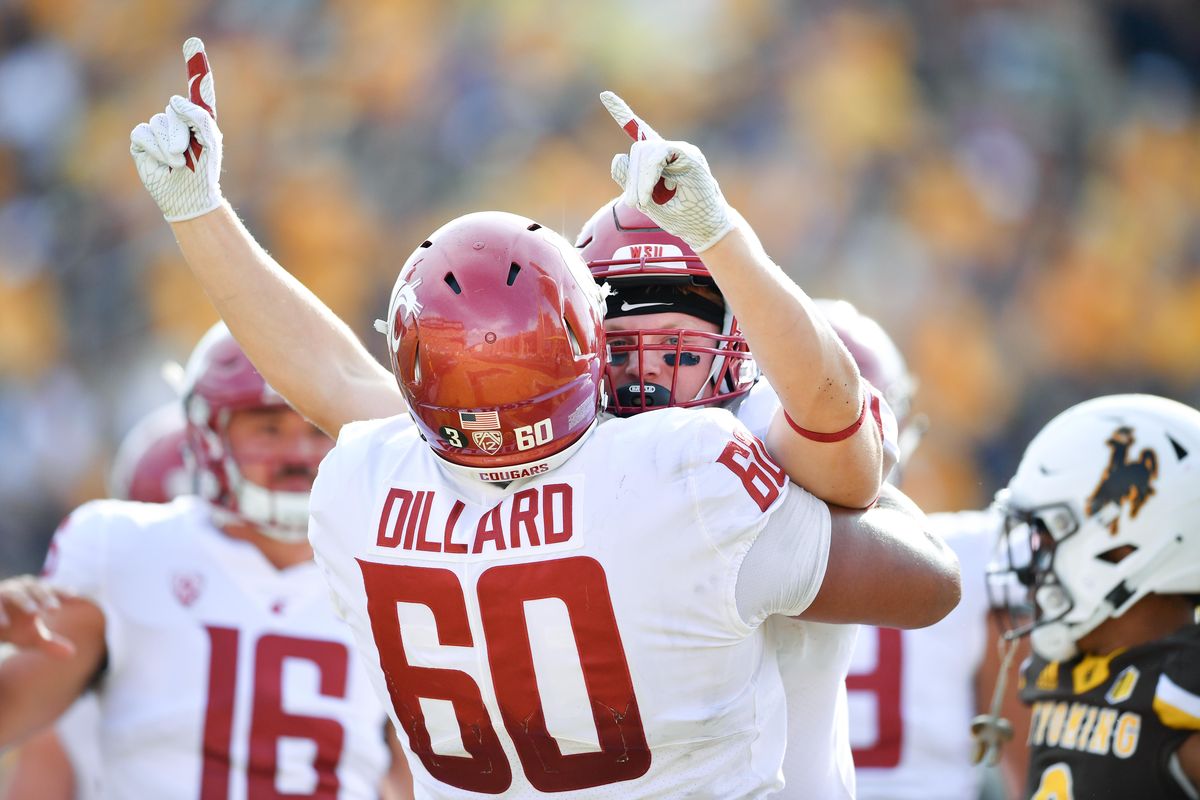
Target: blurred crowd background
<point>1012,188</point>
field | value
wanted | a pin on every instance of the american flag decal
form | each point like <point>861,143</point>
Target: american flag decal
<point>479,420</point>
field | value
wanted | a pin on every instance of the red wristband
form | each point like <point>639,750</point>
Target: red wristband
<point>841,435</point>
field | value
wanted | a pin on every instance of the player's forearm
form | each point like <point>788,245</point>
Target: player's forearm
<point>814,375</point>
<point>812,372</point>
<point>300,346</point>
<point>913,560</point>
<point>41,770</point>
<point>886,568</point>
<point>847,473</point>
<point>34,691</point>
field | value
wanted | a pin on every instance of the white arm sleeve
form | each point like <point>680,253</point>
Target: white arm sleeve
<point>784,568</point>
<point>78,557</point>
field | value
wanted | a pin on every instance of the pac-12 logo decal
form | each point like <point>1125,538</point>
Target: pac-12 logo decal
<point>488,441</point>
<point>187,586</point>
<point>1124,480</point>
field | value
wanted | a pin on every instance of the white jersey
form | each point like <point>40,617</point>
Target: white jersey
<point>225,677</point>
<point>813,661</point>
<point>581,632</point>
<point>912,693</point>
<point>78,731</point>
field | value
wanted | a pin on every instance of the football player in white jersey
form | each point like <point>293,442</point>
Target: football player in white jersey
<point>63,762</point>
<point>815,428</point>
<point>203,624</point>
<point>525,639</point>
<point>676,341</point>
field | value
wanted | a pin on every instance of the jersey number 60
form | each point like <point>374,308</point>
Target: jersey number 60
<point>580,584</point>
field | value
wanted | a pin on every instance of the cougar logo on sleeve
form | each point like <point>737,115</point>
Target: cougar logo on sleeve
<point>1124,480</point>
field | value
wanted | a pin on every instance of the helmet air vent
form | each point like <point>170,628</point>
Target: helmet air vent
<point>514,269</point>
<point>1117,554</point>
<point>452,282</point>
<point>1180,451</point>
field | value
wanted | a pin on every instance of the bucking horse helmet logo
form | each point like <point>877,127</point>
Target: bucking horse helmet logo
<point>1124,480</point>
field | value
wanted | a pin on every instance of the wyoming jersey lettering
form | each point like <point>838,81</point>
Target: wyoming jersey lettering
<point>1109,726</point>
<point>580,632</point>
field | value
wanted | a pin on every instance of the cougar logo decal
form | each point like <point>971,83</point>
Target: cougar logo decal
<point>1124,480</point>
<point>404,300</point>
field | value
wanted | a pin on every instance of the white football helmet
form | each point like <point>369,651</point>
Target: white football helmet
<point>1103,510</point>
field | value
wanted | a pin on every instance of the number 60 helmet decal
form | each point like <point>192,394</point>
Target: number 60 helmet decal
<point>495,333</point>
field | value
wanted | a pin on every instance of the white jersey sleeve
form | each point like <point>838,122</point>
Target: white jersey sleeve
<point>785,564</point>
<point>784,569</point>
<point>79,553</point>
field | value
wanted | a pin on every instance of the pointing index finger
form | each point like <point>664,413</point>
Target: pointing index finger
<point>200,91</point>
<point>632,124</point>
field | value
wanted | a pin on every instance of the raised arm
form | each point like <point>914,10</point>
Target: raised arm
<point>60,646</point>
<point>886,568</point>
<point>824,434</point>
<point>301,347</point>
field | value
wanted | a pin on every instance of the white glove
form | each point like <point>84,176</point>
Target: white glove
<point>670,182</point>
<point>178,152</point>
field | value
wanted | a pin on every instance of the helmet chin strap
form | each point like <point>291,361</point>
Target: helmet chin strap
<point>282,516</point>
<point>992,731</point>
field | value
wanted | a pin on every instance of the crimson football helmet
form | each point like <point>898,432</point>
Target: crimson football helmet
<point>218,381</point>
<point>646,268</point>
<point>149,465</point>
<point>496,337</point>
<point>1104,509</point>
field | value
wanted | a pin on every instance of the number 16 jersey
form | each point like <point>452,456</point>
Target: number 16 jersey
<point>582,630</point>
<point>225,677</point>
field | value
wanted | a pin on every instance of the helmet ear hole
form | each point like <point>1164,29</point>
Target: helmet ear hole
<point>575,348</point>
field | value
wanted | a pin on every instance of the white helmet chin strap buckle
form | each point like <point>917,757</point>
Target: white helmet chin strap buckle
<point>280,515</point>
<point>1053,642</point>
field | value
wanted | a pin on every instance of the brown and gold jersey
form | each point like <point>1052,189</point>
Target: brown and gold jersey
<point>1108,726</point>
